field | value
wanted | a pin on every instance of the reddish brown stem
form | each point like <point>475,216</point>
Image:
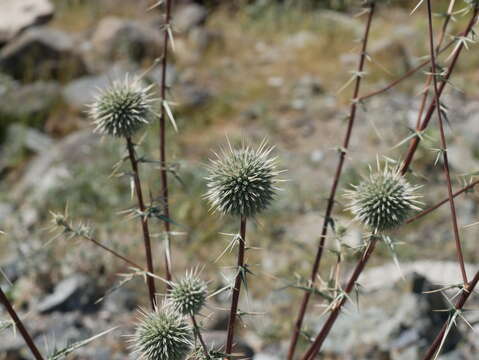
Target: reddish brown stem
<point>318,342</point>
<point>466,292</point>
<point>144,221</point>
<point>405,166</point>
<point>415,141</point>
<point>457,238</point>
<point>19,324</point>
<point>331,199</point>
<point>403,77</point>
<point>425,95</point>
<point>411,72</point>
<point>439,204</point>
<point>163,164</point>
<point>237,287</point>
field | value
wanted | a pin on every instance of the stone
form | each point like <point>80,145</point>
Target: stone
<point>394,322</point>
<point>48,168</point>
<point>81,92</point>
<point>29,104</point>
<point>120,300</point>
<point>72,293</point>
<point>436,272</point>
<point>116,38</point>
<point>20,141</point>
<point>56,332</point>
<point>189,16</point>
<point>18,15</point>
<point>42,53</point>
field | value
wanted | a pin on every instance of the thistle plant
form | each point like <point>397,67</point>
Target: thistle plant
<point>162,335</point>
<point>384,200</point>
<point>241,183</point>
<point>370,8</point>
<point>121,110</point>
<point>188,295</point>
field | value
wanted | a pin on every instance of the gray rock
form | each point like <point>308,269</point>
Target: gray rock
<point>17,15</point>
<point>29,104</point>
<point>116,38</point>
<point>73,293</point>
<point>81,92</point>
<point>42,53</point>
<point>20,142</point>
<point>436,272</point>
<point>391,323</point>
<point>189,16</point>
<point>120,301</point>
<point>47,169</point>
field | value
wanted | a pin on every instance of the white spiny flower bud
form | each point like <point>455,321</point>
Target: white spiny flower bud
<point>241,182</point>
<point>122,109</point>
<point>384,200</point>
<point>162,335</point>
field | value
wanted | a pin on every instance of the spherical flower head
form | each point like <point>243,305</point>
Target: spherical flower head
<point>162,335</point>
<point>241,182</point>
<point>188,295</point>
<point>384,200</point>
<point>122,109</point>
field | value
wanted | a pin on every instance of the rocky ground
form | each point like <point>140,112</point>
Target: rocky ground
<point>259,71</point>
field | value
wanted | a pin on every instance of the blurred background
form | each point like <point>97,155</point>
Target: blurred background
<point>250,70</point>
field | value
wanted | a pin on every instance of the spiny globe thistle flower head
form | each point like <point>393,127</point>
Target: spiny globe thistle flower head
<point>188,295</point>
<point>122,109</point>
<point>162,335</point>
<point>384,200</point>
<point>241,182</point>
